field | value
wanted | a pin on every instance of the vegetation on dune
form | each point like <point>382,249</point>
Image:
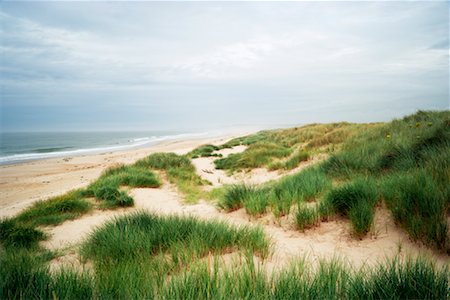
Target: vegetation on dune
<point>204,151</point>
<point>273,148</point>
<point>55,210</point>
<point>405,163</point>
<point>179,170</point>
<point>107,186</point>
<point>280,196</point>
<point>26,276</point>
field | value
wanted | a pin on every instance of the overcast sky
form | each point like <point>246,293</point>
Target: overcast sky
<point>193,65</point>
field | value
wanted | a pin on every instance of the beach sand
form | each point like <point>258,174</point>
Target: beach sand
<point>25,183</point>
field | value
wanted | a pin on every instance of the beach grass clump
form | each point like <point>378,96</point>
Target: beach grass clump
<point>234,196</point>
<point>14,234</point>
<point>306,217</point>
<point>306,185</point>
<point>55,210</point>
<point>357,200</point>
<point>396,279</point>
<point>142,234</point>
<point>24,274</point>
<point>257,201</point>
<point>256,155</point>
<point>180,171</point>
<point>291,163</point>
<point>419,205</point>
<point>107,186</point>
<point>204,151</point>
<point>136,255</point>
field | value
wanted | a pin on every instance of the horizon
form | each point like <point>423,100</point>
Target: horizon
<point>118,67</point>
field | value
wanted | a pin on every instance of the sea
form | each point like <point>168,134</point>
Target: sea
<point>25,146</point>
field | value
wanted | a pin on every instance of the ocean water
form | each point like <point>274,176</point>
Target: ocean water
<point>25,146</point>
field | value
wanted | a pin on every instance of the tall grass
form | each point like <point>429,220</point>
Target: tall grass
<point>14,234</point>
<point>417,202</point>
<point>25,275</point>
<point>357,200</point>
<point>306,217</point>
<point>143,235</point>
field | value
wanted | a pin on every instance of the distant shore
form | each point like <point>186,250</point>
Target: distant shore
<point>24,183</point>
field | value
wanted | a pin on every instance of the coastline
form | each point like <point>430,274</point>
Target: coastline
<point>22,184</point>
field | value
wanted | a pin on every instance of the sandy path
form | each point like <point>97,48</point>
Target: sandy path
<point>22,184</point>
<point>330,239</point>
<point>205,168</point>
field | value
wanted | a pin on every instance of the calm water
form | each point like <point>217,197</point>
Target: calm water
<point>23,146</point>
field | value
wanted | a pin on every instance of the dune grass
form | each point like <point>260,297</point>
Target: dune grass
<point>266,148</point>
<point>134,255</point>
<point>55,210</point>
<point>180,171</point>
<point>306,217</point>
<point>255,156</point>
<point>405,162</point>
<point>204,151</point>
<point>14,234</point>
<point>107,186</point>
<point>280,195</point>
<point>26,277</point>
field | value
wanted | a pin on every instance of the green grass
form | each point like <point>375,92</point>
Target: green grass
<point>14,234</point>
<point>55,210</point>
<point>107,186</point>
<point>357,200</point>
<point>234,196</point>
<point>180,171</point>
<point>25,275</point>
<point>204,151</point>
<point>255,156</point>
<point>419,205</point>
<point>134,256</point>
<point>364,158</point>
<point>306,217</point>
<point>291,163</point>
<point>266,148</point>
<point>410,158</point>
<point>175,264</point>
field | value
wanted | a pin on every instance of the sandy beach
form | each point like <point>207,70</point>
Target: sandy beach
<point>24,183</point>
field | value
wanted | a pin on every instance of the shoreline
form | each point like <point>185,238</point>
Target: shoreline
<point>22,184</point>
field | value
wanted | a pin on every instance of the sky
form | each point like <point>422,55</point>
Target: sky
<point>76,66</point>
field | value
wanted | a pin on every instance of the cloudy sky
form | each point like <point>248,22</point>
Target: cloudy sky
<point>191,65</point>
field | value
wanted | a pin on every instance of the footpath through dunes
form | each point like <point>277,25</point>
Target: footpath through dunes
<point>331,239</point>
<point>206,169</point>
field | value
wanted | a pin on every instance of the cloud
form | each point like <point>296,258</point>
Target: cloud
<point>274,62</point>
